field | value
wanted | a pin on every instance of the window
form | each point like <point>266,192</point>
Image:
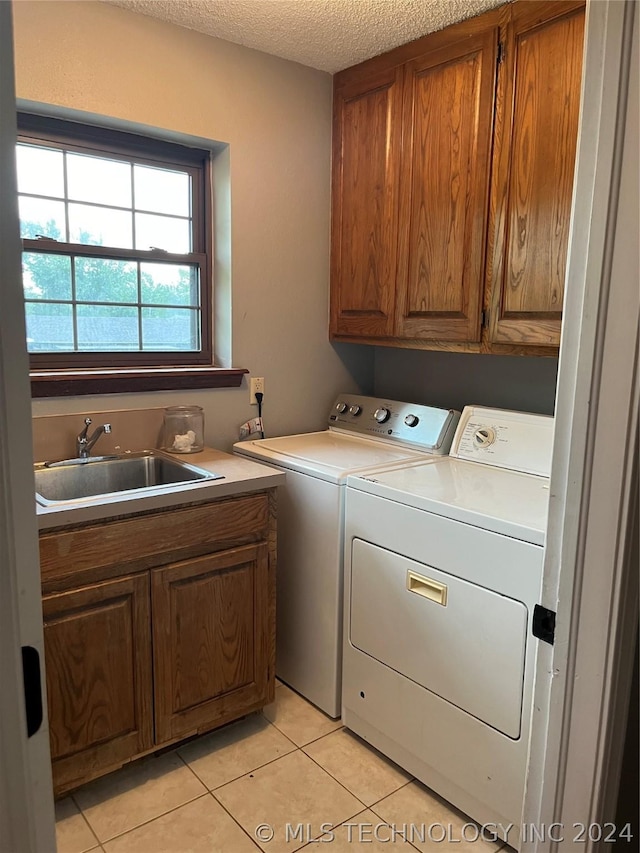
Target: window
<point>116,248</point>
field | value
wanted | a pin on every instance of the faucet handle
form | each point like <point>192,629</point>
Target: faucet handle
<point>82,436</point>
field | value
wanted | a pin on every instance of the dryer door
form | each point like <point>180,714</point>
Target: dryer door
<point>462,642</point>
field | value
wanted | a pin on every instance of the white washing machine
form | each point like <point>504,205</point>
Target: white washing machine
<point>443,569</point>
<point>363,433</point>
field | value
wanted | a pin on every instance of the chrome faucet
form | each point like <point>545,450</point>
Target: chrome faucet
<point>84,443</point>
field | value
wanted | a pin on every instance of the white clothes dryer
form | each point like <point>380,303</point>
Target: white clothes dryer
<point>443,571</point>
<point>364,433</point>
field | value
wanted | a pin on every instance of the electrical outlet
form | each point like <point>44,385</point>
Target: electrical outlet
<point>256,384</point>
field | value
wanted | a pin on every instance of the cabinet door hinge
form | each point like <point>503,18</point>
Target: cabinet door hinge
<point>500,56</point>
<point>544,624</point>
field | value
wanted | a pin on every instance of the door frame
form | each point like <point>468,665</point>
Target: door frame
<point>26,795</point>
<point>583,682</point>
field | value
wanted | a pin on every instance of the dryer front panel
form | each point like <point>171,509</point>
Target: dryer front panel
<point>456,639</point>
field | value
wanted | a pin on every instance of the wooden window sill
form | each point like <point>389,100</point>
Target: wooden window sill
<point>70,383</point>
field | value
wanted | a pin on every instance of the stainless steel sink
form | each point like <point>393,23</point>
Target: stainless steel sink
<point>74,480</point>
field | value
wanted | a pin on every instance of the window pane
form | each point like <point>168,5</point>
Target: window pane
<point>40,216</point>
<point>107,328</point>
<point>169,284</point>
<point>49,327</point>
<point>105,280</point>
<point>46,276</point>
<point>171,329</point>
<point>162,190</point>
<point>98,180</point>
<point>40,171</point>
<point>163,232</point>
<point>100,226</point>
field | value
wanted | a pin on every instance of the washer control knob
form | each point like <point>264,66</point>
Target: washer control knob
<point>484,437</point>
<point>355,411</point>
<point>381,415</point>
<point>412,420</point>
<point>341,408</point>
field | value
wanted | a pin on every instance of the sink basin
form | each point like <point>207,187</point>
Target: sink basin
<point>75,480</point>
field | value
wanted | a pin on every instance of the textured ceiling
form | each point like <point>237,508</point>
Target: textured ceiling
<point>326,34</point>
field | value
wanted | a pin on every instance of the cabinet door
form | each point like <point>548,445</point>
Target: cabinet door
<point>98,660</point>
<point>366,159</point>
<point>537,120</point>
<point>448,117</point>
<point>213,634</point>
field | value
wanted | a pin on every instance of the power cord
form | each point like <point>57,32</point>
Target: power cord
<point>259,395</point>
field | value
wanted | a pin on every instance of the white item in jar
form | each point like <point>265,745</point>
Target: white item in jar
<point>184,443</point>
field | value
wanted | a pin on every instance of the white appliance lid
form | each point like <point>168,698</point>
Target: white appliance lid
<point>507,502</point>
<point>329,455</point>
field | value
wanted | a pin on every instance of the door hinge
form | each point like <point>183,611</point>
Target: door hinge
<point>501,52</point>
<point>544,624</point>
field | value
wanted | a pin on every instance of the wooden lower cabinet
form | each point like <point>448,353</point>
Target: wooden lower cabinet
<point>99,684</point>
<point>153,648</point>
<point>211,647</point>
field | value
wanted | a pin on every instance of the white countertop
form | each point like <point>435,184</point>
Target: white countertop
<point>240,475</point>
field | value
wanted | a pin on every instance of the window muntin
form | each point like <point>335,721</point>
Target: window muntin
<point>115,262</point>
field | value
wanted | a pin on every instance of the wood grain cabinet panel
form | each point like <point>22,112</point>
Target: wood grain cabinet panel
<point>365,208</point>
<point>156,627</point>
<point>98,662</point>
<point>212,651</point>
<point>448,107</point>
<point>534,166</point>
<point>460,147</point>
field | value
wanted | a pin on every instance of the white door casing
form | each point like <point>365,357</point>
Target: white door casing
<point>26,798</point>
<point>583,681</point>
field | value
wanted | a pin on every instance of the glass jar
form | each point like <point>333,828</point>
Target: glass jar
<point>183,429</point>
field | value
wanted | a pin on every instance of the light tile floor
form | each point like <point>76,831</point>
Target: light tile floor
<point>274,781</point>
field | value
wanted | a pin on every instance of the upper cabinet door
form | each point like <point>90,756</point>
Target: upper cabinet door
<point>446,160</point>
<point>537,123</point>
<point>366,154</point>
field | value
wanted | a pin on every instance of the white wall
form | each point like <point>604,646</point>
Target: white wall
<point>276,117</point>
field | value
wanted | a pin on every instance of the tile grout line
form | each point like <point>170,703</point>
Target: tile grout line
<point>226,810</point>
<point>298,749</point>
<point>386,823</point>
<point>271,723</point>
<point>86,820</point>
<point>145,822</point>
<point>331,776</point>
<point>500,849</point>
<point>307,743</point>
<point>316,739</point>
<point>412,779</point>
<point>377,802</point>
<point>242,775</point>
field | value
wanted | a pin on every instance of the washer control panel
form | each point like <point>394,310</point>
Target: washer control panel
<point>519,441</point>
<point>428,427</point>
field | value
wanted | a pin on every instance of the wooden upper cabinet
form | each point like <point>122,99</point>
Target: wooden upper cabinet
<point>536,129</point>
<point>366,160</point>
<point>453,164</point>
<point>446,159</point>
